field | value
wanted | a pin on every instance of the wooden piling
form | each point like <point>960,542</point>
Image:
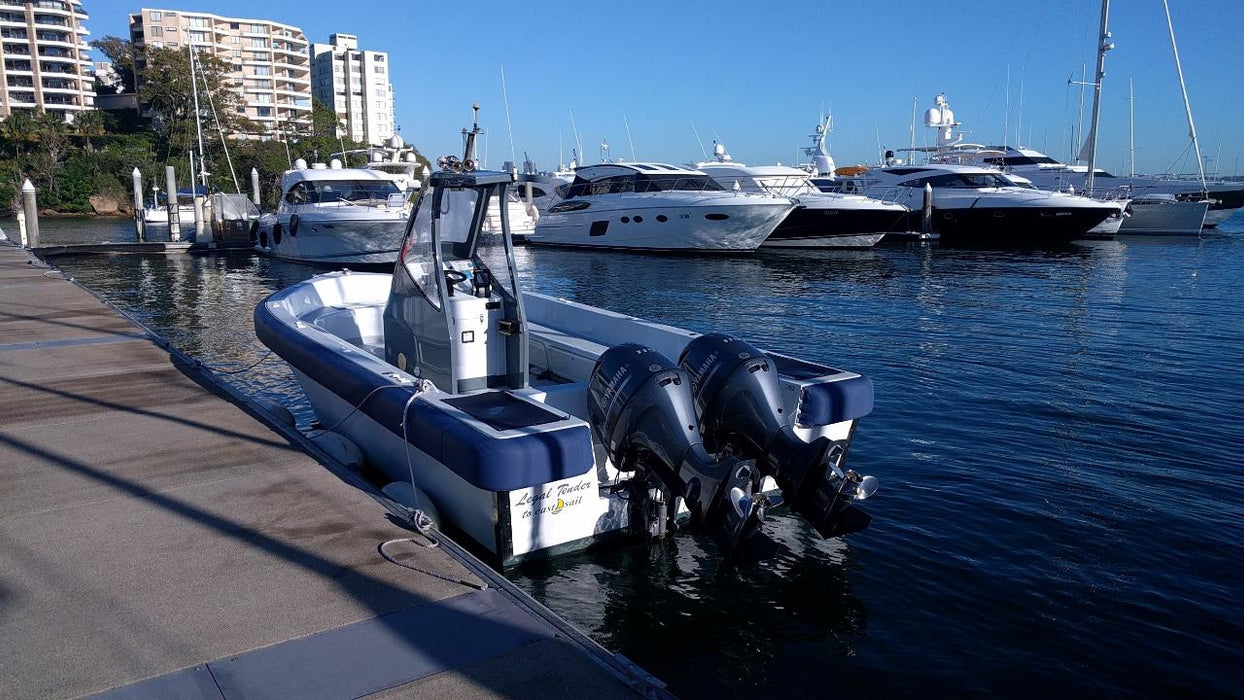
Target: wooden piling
<point>138,204</point>
<point>174,220</point>
<point>30,207</point>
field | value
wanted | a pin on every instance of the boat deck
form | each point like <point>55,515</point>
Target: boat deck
<point>157,540</point>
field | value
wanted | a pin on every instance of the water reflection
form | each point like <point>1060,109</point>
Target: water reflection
<point>1055,431</point>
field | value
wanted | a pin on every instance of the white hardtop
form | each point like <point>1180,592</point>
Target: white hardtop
<point>904,172</point>
<point>754,170</point>
<point>293,177</point>
<point>602,170</point>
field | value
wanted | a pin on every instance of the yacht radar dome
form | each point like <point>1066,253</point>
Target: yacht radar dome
<point>334,164</point>
<point>719,152</point>
<point>300,164</point>
<point>377,157</point>
<point>396,142</point>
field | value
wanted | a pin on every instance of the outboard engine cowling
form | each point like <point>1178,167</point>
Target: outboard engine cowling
<point>736,393</point>
<point>641,410</point>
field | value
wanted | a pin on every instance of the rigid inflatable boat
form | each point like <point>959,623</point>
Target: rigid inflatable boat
<point>536,425</point>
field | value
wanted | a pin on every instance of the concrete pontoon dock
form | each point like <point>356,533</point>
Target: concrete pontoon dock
<point>158,540</point>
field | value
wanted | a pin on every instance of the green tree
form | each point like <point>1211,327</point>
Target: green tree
<point>121,53</point>
<point>168,91</point>
<point>20,132</point>
<point>324,121</point>
<point>90,123</point>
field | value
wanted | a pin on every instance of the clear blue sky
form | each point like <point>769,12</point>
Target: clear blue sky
<point>758,74</point>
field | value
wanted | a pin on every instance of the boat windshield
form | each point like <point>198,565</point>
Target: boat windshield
<point>971,181</point>
<point>327,191</point>
<point>1021,160</point>
<point>639,182</point>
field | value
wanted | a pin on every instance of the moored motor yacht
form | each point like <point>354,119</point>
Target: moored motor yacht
<point>332,215</point>
<point>1167,206</point>
<point>537,425</point>
<point>657,207</point>
<point>819,219</point>
<point>981,205</point>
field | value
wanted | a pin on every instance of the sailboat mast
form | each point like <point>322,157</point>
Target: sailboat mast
<point>1131,129</point>
<point>1103,45</point>
<point>1196,145</point>
<point>198,126</point>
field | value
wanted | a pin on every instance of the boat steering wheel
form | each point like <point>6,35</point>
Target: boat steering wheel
<point>453,277</point>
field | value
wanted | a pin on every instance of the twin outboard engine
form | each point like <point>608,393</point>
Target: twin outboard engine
<point>737,397</point>
<point>642,411</point>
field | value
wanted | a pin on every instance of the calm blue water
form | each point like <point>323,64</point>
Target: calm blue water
<point>1058,435</point>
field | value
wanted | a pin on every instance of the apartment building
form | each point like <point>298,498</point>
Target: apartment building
<point>45,64</point>
<point>271,66</point>
<point>354,84</point>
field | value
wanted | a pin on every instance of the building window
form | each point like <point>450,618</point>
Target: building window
<point>233,25</point>
<point>197,22</point>
<point>379,58</point>
<point>157,16</point>
<point>379,69</point>
<point>259,56</point>
<point>235,39</point>
<point>263,111</point>
<point>198,37</point>
<point>263,70</point>
<point>157,31</point>
<point>258,43</point>
<point>379,92</point>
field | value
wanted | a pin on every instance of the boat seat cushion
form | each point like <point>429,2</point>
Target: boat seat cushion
<point>831,402</point>
<point>503,442</point>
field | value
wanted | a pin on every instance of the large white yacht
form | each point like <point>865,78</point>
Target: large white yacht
<point>657,207</point>
<point>334,215</point>
<point>820,219</point>
<point>978,204</point>
<point>1158,205</point>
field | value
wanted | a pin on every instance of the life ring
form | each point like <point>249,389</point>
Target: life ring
<point>276,233</point>
<point>254,232</point>
<point>293,225</point>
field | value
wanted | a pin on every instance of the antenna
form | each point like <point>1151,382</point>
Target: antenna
<point>578,144</point>
<point>506,99</point>
<point>628,137</point>
<point>698,140</point>
<point>1131,133</point>
<point>911,146</point>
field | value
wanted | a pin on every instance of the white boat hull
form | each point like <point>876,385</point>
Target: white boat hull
<point>712,223</point>
<point>333,240</point>
<point>341,314</point>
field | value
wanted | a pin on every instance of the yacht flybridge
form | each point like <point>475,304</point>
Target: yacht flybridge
<point>333,215</point>
<point>536,425</point>
<point>657,207</point>
<point>820,219</point>
<point>981,205</point>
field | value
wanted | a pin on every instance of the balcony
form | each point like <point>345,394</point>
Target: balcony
<point>17,67</point>
<point>60,101</point>
<point>16,50</point>
<point>22,99</point>
<point>50,21</point>
<point>20,82</point>
<point>14,34</point>
<point>57,68</point>
<point>53,6</point>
